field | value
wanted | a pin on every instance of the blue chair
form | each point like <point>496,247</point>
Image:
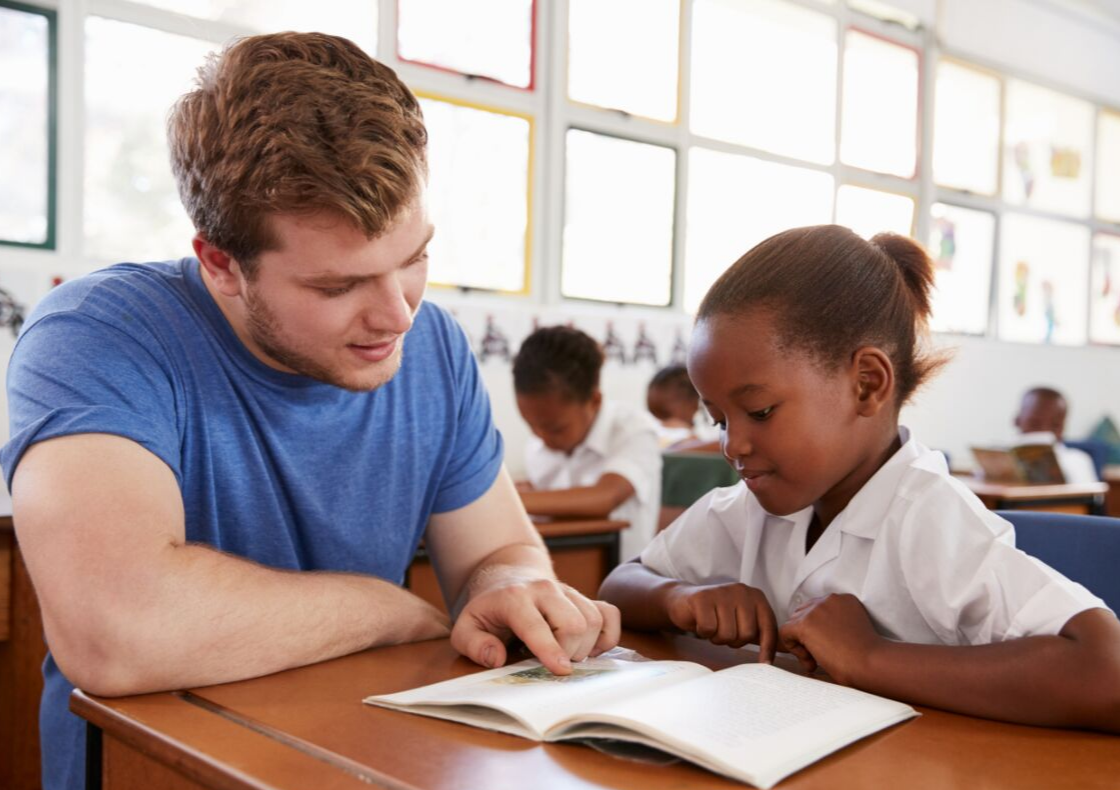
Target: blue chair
<point>1096,449</point>
<point>1085,549</point>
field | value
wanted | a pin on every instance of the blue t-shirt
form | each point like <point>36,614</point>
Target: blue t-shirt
<point>285,470</point>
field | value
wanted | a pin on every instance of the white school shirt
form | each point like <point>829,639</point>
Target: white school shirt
<point>622,440</point>
<point>928,561</point>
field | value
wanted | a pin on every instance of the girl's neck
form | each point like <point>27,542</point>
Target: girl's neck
<point>826,509</point>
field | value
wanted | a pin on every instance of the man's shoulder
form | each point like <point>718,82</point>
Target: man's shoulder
<point>115,294</point>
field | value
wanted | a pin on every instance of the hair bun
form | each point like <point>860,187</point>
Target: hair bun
<point>914,264</point>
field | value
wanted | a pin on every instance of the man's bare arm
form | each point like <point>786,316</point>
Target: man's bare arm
<point>130,607</point>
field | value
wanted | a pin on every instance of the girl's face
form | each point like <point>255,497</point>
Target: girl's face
<point>796,432</point>
<point>561,423</point>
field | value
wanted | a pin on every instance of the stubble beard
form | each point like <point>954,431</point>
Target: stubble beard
<point>264,329</point>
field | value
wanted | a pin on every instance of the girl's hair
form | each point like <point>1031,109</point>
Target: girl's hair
<point>674,379</point>
<point>831,292</point>
<point>558,359</point>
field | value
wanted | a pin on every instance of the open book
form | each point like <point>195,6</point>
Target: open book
<point>753,722</point>
<point>1022,464</point>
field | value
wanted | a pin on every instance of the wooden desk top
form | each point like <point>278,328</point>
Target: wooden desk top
<point>308,728</point>
<point>559,527</point>
<point>1012,491</point>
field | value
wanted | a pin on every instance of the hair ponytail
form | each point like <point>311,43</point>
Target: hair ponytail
<point>915,266</point>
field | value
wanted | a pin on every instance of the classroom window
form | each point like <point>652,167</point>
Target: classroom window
<point>961,242</point>
<point>736,201</point>
<point>871,211</point>
<point>764,76</point>
<point>616,63</point>
<point>1047,154</point>
<point>356,21</point>
<point>478,195</point>
<point>133,75</point>
<point>1043,278</point>
<point>1104,307</point>
<point>27,42</point>
<point>492,39</point>
<point>879,109</point>
<point>966,129</point>
<point>618,220</point>
<point>1108,166</point>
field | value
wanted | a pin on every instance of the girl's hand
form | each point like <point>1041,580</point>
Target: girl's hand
<point>725,614</point>
<point>834,632</point>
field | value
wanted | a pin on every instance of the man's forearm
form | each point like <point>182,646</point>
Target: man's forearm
<point>195,616</point>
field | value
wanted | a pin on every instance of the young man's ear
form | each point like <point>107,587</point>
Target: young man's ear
<point>874,380</point>
<point>222,270</point>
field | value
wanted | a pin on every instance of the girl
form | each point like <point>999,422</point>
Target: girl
<point>849,544</point>
<point>590,457</point>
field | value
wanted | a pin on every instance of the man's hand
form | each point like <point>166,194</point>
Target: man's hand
<point>834,632</point>
<point>558,624</point>
<point>725,614</point>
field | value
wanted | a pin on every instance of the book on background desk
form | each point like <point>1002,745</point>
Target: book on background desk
<point>754,722</point>
<point>1023,464</point>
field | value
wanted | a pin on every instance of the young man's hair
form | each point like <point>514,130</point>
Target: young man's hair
<point>832,292</point>
<point>294,123</point>
<point>558,359</point>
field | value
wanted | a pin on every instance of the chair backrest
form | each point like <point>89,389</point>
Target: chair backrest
<point>1085,549</point>
<point>1096,449</point>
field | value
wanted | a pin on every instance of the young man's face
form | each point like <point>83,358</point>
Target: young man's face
<point>330,304</point>
<point>789,428</point>
<point>1042,413</point>
<point>560,422</point>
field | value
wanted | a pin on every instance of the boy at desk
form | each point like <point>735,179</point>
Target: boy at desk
<point>221,466</point>
<point>1042,420</point>
<point>588,456</point>
<point>848,543</point>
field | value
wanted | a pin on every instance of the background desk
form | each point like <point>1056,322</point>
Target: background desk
<point>1065,498</point>
<point>583,552</point>
<point>22,650</point>
<point>307,728</point>
<point>1112,498</point>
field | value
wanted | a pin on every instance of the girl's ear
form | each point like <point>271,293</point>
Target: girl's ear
<point>874,378</point>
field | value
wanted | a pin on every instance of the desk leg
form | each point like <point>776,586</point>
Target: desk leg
<point>93,757</point>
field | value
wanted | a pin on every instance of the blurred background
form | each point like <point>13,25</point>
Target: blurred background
<point>600,162</point>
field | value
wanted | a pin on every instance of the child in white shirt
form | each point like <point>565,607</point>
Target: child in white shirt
<point>848,543</point>
<point>1042,419</point>
<point>588,457</point>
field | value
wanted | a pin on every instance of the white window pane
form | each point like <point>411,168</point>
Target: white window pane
<point>1108,166</point>
<point>870,211</point>
<point>624,55</point>
<point>734,202</point>
<point>748,59</point>
<point>966,129</point>
<point>1104,309</point>
<point>355,21</point>
<point>618,220</point>
<point>961,245</point>
<point>1043,280</point>
<point>1047,155</point>
<point>24,133</point>
<point>484,38</point>
<point>133,76</point>
<point>879,127</point>
<point>478,195</point>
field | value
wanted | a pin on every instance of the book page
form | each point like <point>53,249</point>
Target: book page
<point>531,698</point>
<point>753,722</point>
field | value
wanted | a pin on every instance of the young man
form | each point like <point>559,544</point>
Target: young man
<point>187,437</point>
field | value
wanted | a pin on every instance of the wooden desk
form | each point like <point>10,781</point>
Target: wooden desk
<point>1112,498</point>
<point>583,552</point>
<point>307,728</point>
<point>22,650</point>
<point>1078,498</point>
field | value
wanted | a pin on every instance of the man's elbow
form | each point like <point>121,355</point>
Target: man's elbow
<point>100,659</point>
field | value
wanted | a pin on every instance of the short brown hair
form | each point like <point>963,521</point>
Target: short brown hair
<point>832,292</point>
<point>559,359</point>
<point>294,123</point>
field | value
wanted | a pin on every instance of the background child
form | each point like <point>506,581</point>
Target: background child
<point>849,544</point>
<point>589,457</point>
<point>1042,418</point>
<point>671,398</point>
